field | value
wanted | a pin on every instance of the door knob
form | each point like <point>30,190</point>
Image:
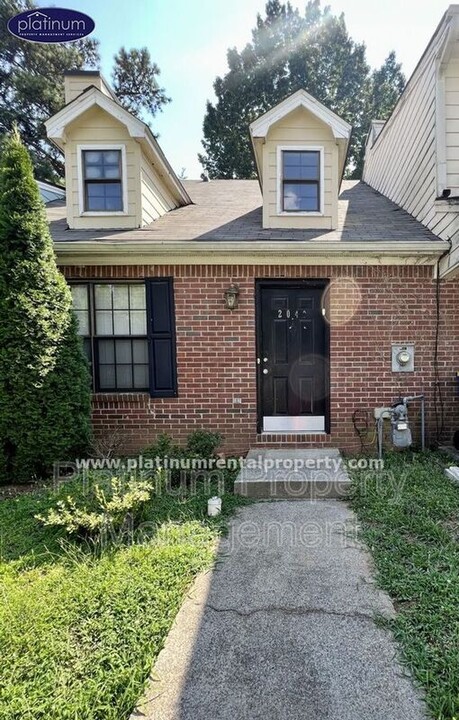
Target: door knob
<point>265,359</point>
<point>265,371</point>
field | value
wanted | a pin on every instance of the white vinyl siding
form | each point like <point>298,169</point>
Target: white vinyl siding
<point>156,199</point>
<point>416,155</point>
<point>401,164</point>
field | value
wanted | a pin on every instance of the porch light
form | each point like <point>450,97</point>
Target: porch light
<point>231,297</point>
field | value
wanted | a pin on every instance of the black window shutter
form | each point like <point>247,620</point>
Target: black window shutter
<point>161,336</point>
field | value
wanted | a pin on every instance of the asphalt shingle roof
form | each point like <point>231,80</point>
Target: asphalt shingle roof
<point>226,210</point>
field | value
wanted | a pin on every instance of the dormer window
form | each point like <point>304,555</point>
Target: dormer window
<point>102,171</point>
<point>102,180</point>
<point>300,181</point>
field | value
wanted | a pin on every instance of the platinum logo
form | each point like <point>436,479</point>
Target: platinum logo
<point>51,25</point>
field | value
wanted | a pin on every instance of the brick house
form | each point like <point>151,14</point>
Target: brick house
<point>272,310</point>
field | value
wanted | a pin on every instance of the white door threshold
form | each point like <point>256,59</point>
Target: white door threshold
<point>299,424</point>
<point>292,432</point>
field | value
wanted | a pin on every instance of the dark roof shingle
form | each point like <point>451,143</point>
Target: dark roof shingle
<point>225,210</point>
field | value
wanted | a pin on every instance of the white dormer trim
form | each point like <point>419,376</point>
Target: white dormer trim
<point>340,128</point>
<point>93,97</point>
<point>55,126</point>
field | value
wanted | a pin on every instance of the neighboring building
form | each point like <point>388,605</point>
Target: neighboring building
<point>272,311</point>
<point>413,158</point>
<point>50,192</point>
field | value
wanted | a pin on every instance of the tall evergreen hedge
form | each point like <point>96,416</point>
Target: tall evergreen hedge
<point>44,379</point>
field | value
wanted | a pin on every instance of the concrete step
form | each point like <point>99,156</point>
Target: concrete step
<point>293,473</point>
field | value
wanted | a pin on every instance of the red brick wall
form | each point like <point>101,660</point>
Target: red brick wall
<point>370,308</point>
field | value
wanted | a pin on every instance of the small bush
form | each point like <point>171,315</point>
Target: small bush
<point>164,447</point>
<point>203,443</point>
<point>107,508</point>
<point>109,444</point>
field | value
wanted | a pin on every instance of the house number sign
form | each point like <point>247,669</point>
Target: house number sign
<point>289,314</point>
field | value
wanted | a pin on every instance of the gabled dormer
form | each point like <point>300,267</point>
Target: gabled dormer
<point>116,174</point>
<point>300,151</point>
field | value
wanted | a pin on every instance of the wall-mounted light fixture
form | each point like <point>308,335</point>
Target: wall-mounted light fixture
<point>232,297</point>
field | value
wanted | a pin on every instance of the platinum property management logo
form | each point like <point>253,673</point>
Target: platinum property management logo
<point>51,25</point>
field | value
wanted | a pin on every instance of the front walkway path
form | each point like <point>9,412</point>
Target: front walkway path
<point>283,628</point>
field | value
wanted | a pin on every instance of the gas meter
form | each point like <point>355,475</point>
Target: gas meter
<point>401,433</point>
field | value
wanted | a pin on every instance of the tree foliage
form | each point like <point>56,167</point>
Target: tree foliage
<point>32,85</point>
<point>290,51</point>
<point>383,88</point>
<point>32,89</point>
<point>386,86</point>
<point>134,81</point>
<point>44,379</point>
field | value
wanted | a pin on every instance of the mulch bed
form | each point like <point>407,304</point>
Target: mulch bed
<point>11,491</point>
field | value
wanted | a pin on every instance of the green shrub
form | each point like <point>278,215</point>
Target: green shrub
<point>164,447</point>
<point>44,380</point>
<point>200,443</point>
<point>109,507</point>
<point>203,443</point>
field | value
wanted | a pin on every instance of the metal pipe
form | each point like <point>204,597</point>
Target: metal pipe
<point>410,398</point>
<point>423,424</point>
<point>380,426</point>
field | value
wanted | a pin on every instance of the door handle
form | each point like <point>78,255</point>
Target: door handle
<point>265,371</point>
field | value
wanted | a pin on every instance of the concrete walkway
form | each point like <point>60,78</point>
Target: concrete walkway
<point>283,628</point>
<point>289,474</point>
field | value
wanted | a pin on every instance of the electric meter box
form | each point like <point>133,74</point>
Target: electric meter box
<point>403,357</point>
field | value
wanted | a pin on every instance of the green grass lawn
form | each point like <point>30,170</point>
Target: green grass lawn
<point>80,630</point>
<point>409,514</point>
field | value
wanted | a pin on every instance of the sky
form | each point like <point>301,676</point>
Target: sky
<point>189,40</point>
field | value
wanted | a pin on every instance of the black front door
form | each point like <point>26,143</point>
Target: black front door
<point>292,357</point>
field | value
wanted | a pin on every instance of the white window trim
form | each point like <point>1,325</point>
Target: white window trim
<point>279,169</point>
<point>101,213</point>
